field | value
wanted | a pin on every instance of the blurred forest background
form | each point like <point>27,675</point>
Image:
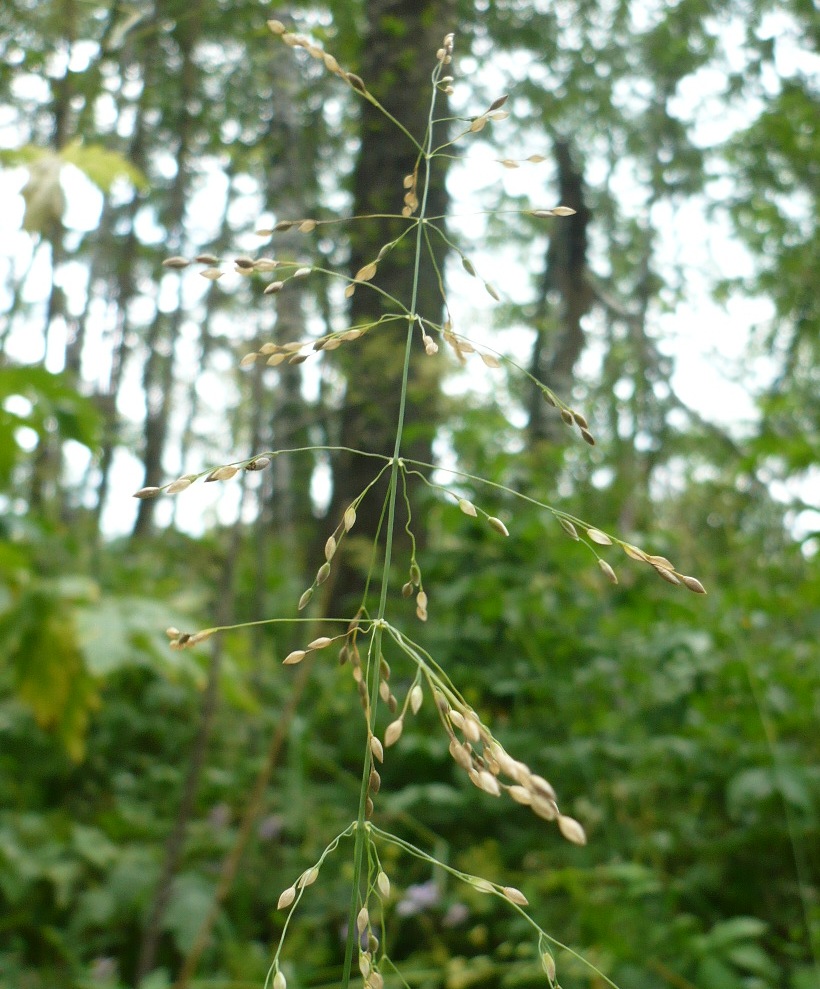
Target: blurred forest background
<point>681,730</point>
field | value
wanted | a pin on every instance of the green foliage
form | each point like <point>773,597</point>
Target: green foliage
<point>36,399</point>
<point>43,192</point>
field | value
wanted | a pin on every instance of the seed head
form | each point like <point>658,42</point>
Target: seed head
<point>544,808</point>
<point>520,794</point>
<point>488,783</point>
<point>515,896</point>
<point>667,575</point>
<point>693,584</point>
<point>367,272</point>
<point>308,878</point>
<point>633,552</point>
<point>571,830</point>
<point>223,473</point>
<point>279,981</point>
<point>548,963</point>
<point>287,897</point>
<point>321,643</point>
<point>180,484</point>
<point>294,657</point>
<point>461,755</point>
<point>541,786</point>
<point>393,732</point>
<point>569,528</point>
<point>498,525</point>
<point>611,576</point>
<point>467,507</point>
<point>356,82</point>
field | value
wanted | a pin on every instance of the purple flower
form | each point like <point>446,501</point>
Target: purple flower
<point>418,898</point>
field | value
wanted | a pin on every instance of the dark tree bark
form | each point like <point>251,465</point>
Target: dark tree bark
<point>398,56</point>
<point>560,339</point>
<point>158,376</point>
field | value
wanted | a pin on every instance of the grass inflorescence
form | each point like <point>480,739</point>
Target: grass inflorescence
<point>358,641</point>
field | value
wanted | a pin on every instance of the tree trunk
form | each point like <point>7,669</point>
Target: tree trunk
<point>158,377</point>
<point>398,57</point>
<point>560,339</point>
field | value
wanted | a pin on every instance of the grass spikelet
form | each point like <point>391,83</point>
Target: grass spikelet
<point>294,657</point>
<point>569,528</point>
<point>515,896</point>
<point>498,525</point>
<point>571,830</point>
<point>286,898</point>
<point>393,732</point>
<point>467,507</point>
<point>668,575</point>
<point>610,574</point>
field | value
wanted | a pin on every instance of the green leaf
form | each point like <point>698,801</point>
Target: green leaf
<point>24,155</point>
<point>190,901</point>
<point>734,929</point>
<point>102,166</point>
<point>752,958</point>
<point>116,632</point>
<point>52,398</point>
<point>43,194</point>
<point>40,644</point>
<point>717,975</point>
